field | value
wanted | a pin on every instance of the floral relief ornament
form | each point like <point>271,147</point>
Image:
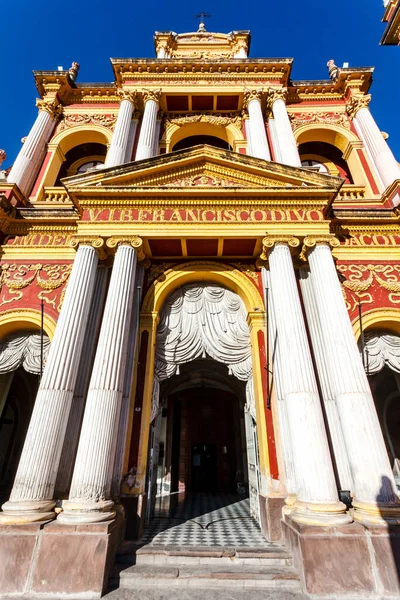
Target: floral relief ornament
<point>15,278</point>
<point>360,278</point>
<point>76,120</point>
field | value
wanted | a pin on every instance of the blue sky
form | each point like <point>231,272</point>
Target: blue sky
<point>45,34</point>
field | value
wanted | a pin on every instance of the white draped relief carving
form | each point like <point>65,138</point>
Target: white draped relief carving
<point>23,350</point>
<point>381,349</point>
<point>202,320</point>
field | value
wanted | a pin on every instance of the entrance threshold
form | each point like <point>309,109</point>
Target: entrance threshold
<point>204,520</point>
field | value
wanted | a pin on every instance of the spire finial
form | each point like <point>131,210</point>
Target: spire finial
<point>201,16</point>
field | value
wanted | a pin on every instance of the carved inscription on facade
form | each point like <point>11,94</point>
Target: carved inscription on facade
<point>370,239</point>
<point>201,215</point>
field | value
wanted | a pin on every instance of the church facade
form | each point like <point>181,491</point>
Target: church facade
<point>200,293</point>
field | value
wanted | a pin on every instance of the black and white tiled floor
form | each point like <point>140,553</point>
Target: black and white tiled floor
<point>206,520</point>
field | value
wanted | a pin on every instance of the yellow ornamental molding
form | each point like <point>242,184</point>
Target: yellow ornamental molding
<point>356,103</point>
<point>310,241</point>
<point>270,240</point>
<point>154,95</point>
<point>51,106</point>
<point>129,95</point>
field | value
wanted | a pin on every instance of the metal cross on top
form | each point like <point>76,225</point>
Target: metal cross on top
<point>201,16</point>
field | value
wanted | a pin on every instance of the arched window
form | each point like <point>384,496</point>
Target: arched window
<point>325,158</point>
<point>82,158</point>
<point>316,165</point>
<point>196,140</point>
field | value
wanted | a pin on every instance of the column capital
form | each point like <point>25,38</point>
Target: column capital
<point>274,94</point>
<point>271,240</point>
<point>129,95</point>
<point>94,241</point>
<point>51,106</point>
<point>356,103</point>
<point>310,241</point>
<point>127,240</point>
<point>154,95</point>
<point>250,95</point>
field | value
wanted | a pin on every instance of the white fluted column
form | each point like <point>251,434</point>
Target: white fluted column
<point>256,125</point>
<point>317,497</point>
<point>328,395</point>
<point>82,383</point>
<point>371,135</point>
<point>117,151</point>
<point>127,393</point>
<point>285,145</point>
<point>28,162</point>
<point>148,129</point>
<point>276,363</point>
<point>374,497</point>
<point>131,137</point>
<point>32,494</point>
<point>89,499</point>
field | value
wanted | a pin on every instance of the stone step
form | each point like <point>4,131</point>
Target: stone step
<point>209,576</point>
<point>128,553</point>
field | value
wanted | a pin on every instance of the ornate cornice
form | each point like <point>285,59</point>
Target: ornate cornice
<point>310,241</point>
<point>128,240</point>
<point>51,106</point>
<point>154,95</point>
<point>250,95</point>
<point>271,240</point>
<point>128,95</point>
<point>95,241</point>
<point>240,45</point>
<point>356,103</point>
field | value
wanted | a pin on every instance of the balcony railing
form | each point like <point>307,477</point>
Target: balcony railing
<point>55,195</point>
<point>351,193</point>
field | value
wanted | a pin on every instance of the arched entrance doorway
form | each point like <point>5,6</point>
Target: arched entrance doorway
<point>382,365</point>
<point>203,439</point>
<point>20,358</point>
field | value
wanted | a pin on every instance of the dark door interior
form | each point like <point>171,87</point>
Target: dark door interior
<point>204,468</point>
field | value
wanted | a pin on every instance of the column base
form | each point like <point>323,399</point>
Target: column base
<point>332,561</point>
<point>75,512</point>
<point>321,515</point>
<point>52,560</point>
<point>289,505</point>
<point>375,514</point>
<point>27,511</point>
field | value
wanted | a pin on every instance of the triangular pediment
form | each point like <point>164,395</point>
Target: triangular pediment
<point>202,168</point>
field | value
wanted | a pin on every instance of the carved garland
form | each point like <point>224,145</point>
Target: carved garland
<point>360,278</point>
<point>212,119</point>
<point>300,119</point>
<point>18,277</point>
<point>94,119</point>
